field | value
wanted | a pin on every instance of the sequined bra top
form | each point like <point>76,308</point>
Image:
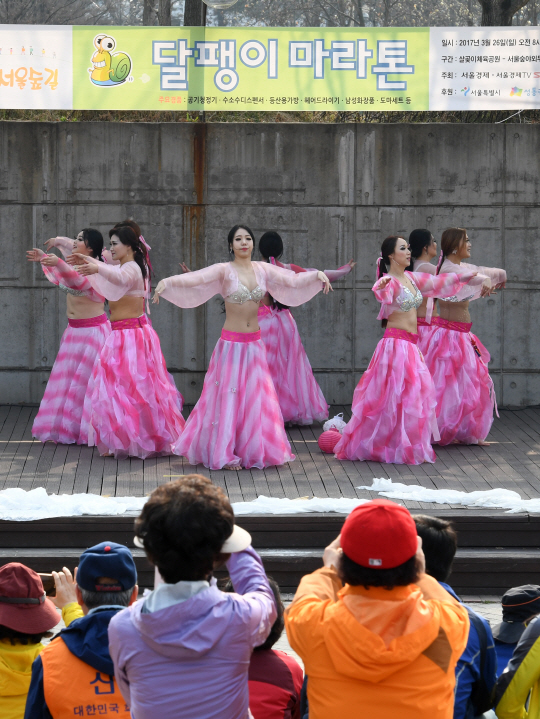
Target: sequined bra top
<point>410,301</point>
<point>242,295</point>
<point>71,291</point>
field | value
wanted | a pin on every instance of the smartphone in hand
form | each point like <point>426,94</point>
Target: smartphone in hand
<point>48,584</point>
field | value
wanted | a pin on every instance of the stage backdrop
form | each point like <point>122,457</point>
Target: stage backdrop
<point>234,68</point>
<point>333,191</point>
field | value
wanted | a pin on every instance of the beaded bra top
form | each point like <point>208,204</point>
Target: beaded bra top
<point>70,291</point>
<point>242,295</point>
<point>411,301</point>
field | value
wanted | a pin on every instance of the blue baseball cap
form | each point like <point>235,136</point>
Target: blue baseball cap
<point>110,560</point>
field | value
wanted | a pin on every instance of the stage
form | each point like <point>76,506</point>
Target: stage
<point>497,549</point>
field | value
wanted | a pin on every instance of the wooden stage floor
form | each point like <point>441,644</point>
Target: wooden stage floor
<point>511,461</point>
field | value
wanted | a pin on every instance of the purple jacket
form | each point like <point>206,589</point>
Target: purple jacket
<point>191,660</point>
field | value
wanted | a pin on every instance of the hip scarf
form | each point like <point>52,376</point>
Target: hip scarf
<point>464,327</point>
<point>130,324</point>
<point>90,322</point>
<point>422,322</point>
<point>397,334</point>
<point>240,336</point>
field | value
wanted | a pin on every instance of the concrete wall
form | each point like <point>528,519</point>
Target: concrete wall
<point>333,191</point>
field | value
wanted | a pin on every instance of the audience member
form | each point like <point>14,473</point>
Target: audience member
<point>517,693</point>
<point>518,605</point>
<point>75,671</point>
<point>378,637</point>
<point>476,670</point>
<point>26,616</point>
<point>275,677</point>
<point>185,649</point>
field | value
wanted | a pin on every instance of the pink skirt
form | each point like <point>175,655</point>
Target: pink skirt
<point>393,406</point>
<point>464,390</point>
<point>134,408</point>
<point>61,409</point>
<point>300,397</point>
<point>237,420</point>
<point>425,333</point>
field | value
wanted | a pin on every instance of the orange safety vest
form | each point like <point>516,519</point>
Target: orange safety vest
<point>75,689</point>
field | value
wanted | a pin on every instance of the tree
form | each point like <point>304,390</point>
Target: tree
<point>500,12</point>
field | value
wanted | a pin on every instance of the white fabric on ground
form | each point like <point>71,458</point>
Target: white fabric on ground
<point>277,505</point>
<point>491,498</point>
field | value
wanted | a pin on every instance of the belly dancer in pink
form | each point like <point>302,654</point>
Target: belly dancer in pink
<point>237,421</point>
<point>300,398</point>
<point>456,358</point>
<point>60,412</point>
<point>134,409</point>
<point>423,249</point>
<point>393,412</point>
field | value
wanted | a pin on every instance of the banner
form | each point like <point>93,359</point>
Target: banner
<point>267,69</point>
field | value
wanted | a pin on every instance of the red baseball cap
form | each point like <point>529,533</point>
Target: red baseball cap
<point>379,534</point>
<point>24,606</point>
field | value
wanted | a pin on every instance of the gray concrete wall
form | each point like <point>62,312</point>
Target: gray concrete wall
<point>333,191</point>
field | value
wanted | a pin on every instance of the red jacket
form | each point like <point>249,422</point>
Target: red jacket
<point>275,683</point>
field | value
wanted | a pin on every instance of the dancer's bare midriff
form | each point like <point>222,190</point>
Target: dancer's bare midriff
<point>422,310</point>
<point>403,321</point>
<point>454,311</point>
<point>241,318</point>
<point>126,308</point>
<point>83,308</point>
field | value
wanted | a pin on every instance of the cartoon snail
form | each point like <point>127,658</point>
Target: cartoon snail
<point>109,69</point>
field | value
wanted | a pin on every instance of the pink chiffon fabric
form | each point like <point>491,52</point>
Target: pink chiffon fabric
<point>393,411</point>
<point>237,420</point>
<point>300,398</point>
<point>463,387</point>
<point>61,409</point>
<point>425,332</point>
<point>132,408</point>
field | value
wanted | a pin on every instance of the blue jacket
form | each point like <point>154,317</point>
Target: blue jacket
<point>468,666</point>
<point>88,639</point>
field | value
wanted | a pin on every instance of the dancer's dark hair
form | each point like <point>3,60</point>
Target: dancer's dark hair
<point>127,236</point>
<point>451,240</point>
<point>93,239</point>
<point>271,245</point>
<point>234,230</point>
<point>387,248</point>
<point>418,240</point>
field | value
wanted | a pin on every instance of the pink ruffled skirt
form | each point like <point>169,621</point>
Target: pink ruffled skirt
<point>425,333</point>
<point>300,397</point>
<point>393,411</point>
<point>237,420</point>
<point>464,389</point>
<point>134,408</point>
<point>61,409</point>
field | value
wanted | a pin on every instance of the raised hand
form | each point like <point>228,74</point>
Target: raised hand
<point>332,553</point>
<point>87,268</point>
<point>184,267</point>
<point>159,289</point>
<point>34,255</point>
<point>327,286</point>
<point>65,585</point>
<point>381,284</point>
<point>351,263</point>
<point>50,260</point>
<point>49,244</point>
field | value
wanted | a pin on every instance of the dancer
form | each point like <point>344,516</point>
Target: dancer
<point>134,409</point>
<point>60,412</point>
<point>237,421</point>
<point>300,398</point>
<point>423,249</point>
<point>456,358</point>
<point>393,411</point>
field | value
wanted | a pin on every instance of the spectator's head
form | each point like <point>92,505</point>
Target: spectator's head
<point>26,615</point>
<point>279,625</point>
<point>379,544</point>
<point>518,604</point>
<point>106,575</point>
<point>439,543</point>
<point>187,528</point>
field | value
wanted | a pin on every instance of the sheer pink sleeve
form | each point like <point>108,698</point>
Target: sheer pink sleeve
<point>113,282</point>
<point>443,285</point>
<point>471,290</point>
<point>194,288</point>
<point>294,268</point>
<point>65,245</point>
<point>386,295</point>
<point>496,275</point>
<point>290,288</point>
<point>63,274</point>
<point>425,267</point>
<point>333,275</point>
